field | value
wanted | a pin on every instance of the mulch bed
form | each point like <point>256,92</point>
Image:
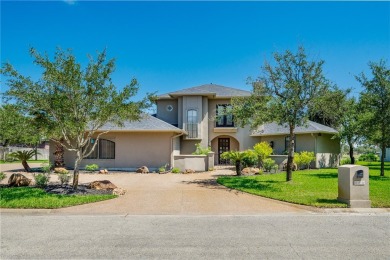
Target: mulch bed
<point>81,190</point>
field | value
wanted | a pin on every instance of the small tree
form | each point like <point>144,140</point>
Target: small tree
<point>263,150</point>
<point>74,103</point>
<point>236,157</point>
<point>350,130</point>
<point>24,156</point>
<point>375,100</point>
<point>283,94</point>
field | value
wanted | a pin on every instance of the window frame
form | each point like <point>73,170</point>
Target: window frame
<point>224,117</point>
<point>97,153</point>
<point>192,127</point>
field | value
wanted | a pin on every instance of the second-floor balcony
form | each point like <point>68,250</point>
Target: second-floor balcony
<point>192,130</point>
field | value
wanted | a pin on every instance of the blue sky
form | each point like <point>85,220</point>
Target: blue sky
<point>172,45</point>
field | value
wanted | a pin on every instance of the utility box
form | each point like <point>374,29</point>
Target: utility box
<point>354,186</point>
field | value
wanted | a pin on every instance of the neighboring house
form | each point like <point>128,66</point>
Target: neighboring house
<point>191,116</point>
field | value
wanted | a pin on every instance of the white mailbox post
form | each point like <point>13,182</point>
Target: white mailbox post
<point>354,186</point>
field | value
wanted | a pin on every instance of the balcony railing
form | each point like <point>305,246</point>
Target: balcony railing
<point>192,130</point>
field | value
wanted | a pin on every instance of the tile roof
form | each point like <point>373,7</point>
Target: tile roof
<point>206,90</point>
<point>275,129</point>
<point>147,123</point>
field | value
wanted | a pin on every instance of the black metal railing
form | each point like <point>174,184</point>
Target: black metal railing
<point>192,130</point>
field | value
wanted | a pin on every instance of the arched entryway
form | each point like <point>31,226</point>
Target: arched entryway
<point>223,143</point>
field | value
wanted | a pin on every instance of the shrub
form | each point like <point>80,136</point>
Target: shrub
<point>263,150</point>
<point>64,177</point>
<point>250,158</point>
<point>91,167</point>
<point>303,159</point>
<point>41,179</point>
<point>201,150</point>
<point>368,157</point>
<point>345,161</point>
<point>269,164</point>
<point>161,169</point>
<point>2,176</point>
<point>46,167</point>
<point>61,170</point>
<point>175,170</point>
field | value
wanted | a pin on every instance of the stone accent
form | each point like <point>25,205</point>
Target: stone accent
<point>103,171</point>
<point>18,180</point>
<point>119,191</point>
<point>102,185</point>
<point>187,171</point>
<point>143,169</point>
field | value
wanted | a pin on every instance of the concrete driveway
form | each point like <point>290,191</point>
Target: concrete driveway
<point>177,194</point>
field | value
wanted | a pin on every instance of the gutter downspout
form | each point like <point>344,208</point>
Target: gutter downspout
<point>173,137</point>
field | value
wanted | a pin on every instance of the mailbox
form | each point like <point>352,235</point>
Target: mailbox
<point>353,186</point>
<point>359,174</point>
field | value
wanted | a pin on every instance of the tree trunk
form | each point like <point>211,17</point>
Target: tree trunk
<point>290,158</point>
<point>351,153</point>
<point>383,155</point>
<point>26,166</point>
<point>76,170</point>
<point>238,168</point>
<point>59,155</point>
<point>36,152</point>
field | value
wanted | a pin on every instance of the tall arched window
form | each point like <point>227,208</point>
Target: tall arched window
<point>192,123</point>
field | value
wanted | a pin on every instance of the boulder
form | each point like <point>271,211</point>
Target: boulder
<point>60,170</point>
<point>250,170</point>
<point>187,171</point>
<point>119,191</point>
<point>18,180</point>
<point>284,163</point>
<point>102,185</point>
<point>142,169</point>
<point>103,171</point>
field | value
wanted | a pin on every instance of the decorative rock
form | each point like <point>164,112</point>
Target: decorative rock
<point>18,180</point>
<point>103,171</point>
<point>60,170</point>
<point>102,185</point>
<point>294,168</point>
<point>119,191</point>
<point>187,171</point>
<point>143,169</point>
<point>251,170</point>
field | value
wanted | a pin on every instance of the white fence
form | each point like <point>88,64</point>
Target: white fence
<point>43,154</point>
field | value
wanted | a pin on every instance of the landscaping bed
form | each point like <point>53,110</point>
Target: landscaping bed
<point>317,188</point>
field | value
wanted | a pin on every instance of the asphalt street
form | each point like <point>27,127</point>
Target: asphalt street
<point>272,236</point>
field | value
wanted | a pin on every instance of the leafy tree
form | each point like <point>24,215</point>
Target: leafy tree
<point>24,156</point>
<point>16,128</point>
<point>73,103</point>
<point>236,157</point>
<point>263,150</point>
<point>350,126</point>
<point>375,99</point>
<point>283,94</point>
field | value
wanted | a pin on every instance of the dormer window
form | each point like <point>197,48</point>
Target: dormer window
<point>224,116</point>
<point>192,123</point>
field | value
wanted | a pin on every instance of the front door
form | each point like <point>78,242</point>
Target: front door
<point>223,146</point>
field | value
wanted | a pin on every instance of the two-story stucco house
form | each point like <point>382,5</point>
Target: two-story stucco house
<point>191,116</point>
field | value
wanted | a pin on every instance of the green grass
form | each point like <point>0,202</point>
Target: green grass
<point>311,187</point>
<point>29,161</point>
<point>34,198</point>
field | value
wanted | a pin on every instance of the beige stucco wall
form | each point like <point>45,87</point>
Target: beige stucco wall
<point>328,151</point>
<point>304,142</point>
<point>132,150</point>
<point>165,115</point>
<point>187,146</point>
<point>197,163</point>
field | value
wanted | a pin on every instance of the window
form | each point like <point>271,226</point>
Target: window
<point>192,123</point>
<point>224,116</point>
<point>287,140</point>
<point>105,149</point>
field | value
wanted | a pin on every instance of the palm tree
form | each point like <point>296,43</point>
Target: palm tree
<point>236,157</point>
<point>24,156</point>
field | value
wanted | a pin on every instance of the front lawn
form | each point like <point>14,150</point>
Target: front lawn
<point>310,187</point>
<point>29,161</point>
<point>35,198</point>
